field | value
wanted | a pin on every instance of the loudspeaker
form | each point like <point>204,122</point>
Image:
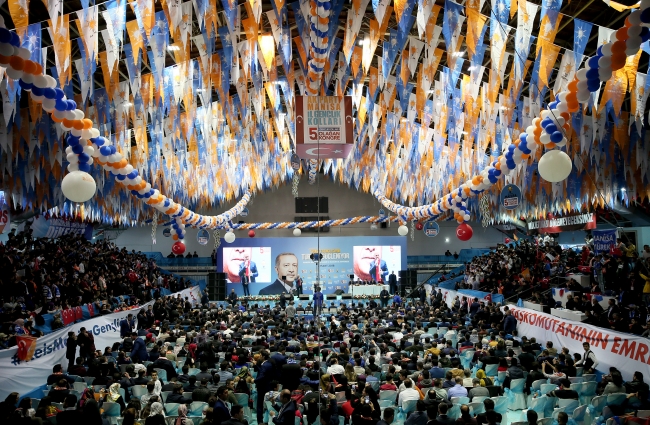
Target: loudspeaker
<point>339,292</point>
<point>303,297</point>
<point>217,286</point>
<point>383,225</point>
<point>346,296</point>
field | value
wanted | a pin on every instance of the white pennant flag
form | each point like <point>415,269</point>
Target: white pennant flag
<point>605,35</point>
<point>55,8</point>
<point>175,13</point>
<point>89,21</point>
<point>424,12</point>
<point>566,71</point>
<point>84,78</point>
<point>381,10</point>
<point>185,26</point>
<point>112,52</point>
<point>415,49</point>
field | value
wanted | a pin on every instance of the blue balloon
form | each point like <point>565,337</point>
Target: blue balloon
<point>181,236</point>
<point>511,164</point>
<point>105,150</point>
<point>121,177</point>
<point>552,105</point>
<point>133,174</point>
<point>593,85</point>
<point>645,33</point>
<point>113,149</point>
<point>49,93</point>
<point>511,147</point>
<point>77,149</point>
<point>60,105</point>
<point>592,74</point>
<point>139,196</point>
<point>167,203</point>
<point>59,93</point>
<point>645,16</point>
<point>83,157</point>
<point>522,137</point>
<point>497,173</point>
<point>599,51</point>
<point>37,91</point>
<point>72,105</point>
<point>15,40</point>
<point>5,35</point>
<point>556,137</point>
<point>551,128</point>
<point>25,86</point>
<point>545,122</point>
<point>593,62</point>
<point>72,140</point>
<point>85,167</point>
<point>152,192</point>
<point>492,178</point>
<point>524,149</point>
<point>134,193</point>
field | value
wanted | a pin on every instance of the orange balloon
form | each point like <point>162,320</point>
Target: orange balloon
<point>55,119</point>
<point>621,35</point>
<point>78,125</point>
<point>628,24</point>
<point>498,165</point>
<point>68,123</point>
<point>566,116</point>
<point>550,145</point>
<point>525,155</point>
<point>618,48</point>
<point>17,63</point>
<point>122,163</point>
<point>102,164</point>
<point>4,60</point>
<point>38,70</point>
<point>175,237</point>
<point>169,211</point>
<point>88,124</point>
<point>29,67</point>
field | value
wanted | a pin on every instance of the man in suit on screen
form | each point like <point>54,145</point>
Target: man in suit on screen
<point>378,269</point>
<point>286,267</point>
<point>247,273</point>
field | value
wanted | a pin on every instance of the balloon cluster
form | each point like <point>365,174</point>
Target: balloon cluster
<point>178,230</point>
<point>320,19</point>
<point>612,56</point>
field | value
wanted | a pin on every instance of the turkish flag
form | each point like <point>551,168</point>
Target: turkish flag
<point>26,346</point>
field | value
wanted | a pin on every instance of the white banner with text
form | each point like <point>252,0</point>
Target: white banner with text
<point>628,353</point>
<point>23,377</point>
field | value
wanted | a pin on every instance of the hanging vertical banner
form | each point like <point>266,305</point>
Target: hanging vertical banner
<point>324,126</point>
<point>510,197</point>
<point>604,240</point>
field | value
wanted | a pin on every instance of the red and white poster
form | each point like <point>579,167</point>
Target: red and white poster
<point>324,127</point>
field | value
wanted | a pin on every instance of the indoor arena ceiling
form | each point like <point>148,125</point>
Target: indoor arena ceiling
<point>199,97</point>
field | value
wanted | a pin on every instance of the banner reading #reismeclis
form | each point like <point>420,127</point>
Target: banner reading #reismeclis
<point>22,377</point>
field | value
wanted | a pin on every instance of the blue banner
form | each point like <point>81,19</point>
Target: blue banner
<point>510,197</point>
<point>55,228</point>
<point>604,240</point>
<point>273,265</point>
<point>431,229</point>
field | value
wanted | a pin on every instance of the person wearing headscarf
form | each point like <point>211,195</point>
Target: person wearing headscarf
<point>182,418</point>
<point>156,415</point>
<point>114,396</point>
<point>88,394</point>
<point>482,377</point>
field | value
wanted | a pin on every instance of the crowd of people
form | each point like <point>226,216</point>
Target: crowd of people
<point>42,276</point>
<point>238,358</point>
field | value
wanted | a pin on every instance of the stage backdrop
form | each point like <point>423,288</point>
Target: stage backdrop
<point>269,259</point>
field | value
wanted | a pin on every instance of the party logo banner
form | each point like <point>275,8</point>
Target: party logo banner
<point>324,126</point>
<point>43,228</point>
<point>604,240</point>
<point>510,197</point>
<point>431,229</point>
<point>563,224</point>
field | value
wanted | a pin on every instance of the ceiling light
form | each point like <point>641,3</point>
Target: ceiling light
<point>173,48</point>
<point>362,42</point>
<point>623,189</point>
<point>446,239</point>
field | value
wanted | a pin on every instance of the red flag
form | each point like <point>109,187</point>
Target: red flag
<point>26,346</point>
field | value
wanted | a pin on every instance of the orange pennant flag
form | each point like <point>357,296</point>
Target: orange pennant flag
<point>19,10</point>
<point>137,42</point>
<point>62,49</point>
<point>475,24</point>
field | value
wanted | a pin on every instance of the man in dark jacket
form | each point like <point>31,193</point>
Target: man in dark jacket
<point>177,396</point>
<point>287,413</point>
<point>481,418</point>
<point>509,322</point>
<point>237,416</point>
<point>139,348</point>
<point>221,412</point>
<point>71,349</point>
<point>290,376</point>
<point>70,415</point>
<point>202,393</point>
<point>126,326</point>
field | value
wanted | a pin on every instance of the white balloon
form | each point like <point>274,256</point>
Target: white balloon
<point>39,80</point>
<point>634,31</point>
<point>68,150</point>
<point>583,97</point>
<point>129,169</point>
<point>582,74</point>
<point>25,54</point>
<point>606,50</point>
<point>14,73</point>
<point>562,96</point>
<point>229,237</point>
<point>48,104</point>
<point>562,143</point>
<point>297,232</point>
<point>89,150</point>
<point>555,166</point>
<point>59,114</point>
<point>635,17</point>
<point>72,158</point>
<point>79,115</point>
<point>90,161</point>
<point>51,82</point>
<point>583,86</point>
<point>78,186</point>
<point>70,115</point>
<point>73,166</point>
<point>86,133</point>
<point>94,133</point>
<point>403,230</point>
<point>6,49</point>
<point>604,74</point>
<point>75,132</point>
<point>545,138</point>
<point>28,78</point>
<point>545,114</point>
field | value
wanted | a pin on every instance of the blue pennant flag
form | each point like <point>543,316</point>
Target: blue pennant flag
<point>32,42</point>
<point>451,20</point>
<point>581,32</point>
<point>552,9</point>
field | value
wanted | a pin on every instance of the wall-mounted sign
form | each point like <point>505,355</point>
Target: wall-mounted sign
<point>202,237</point>
<point>324,126</point>
<point>510,197</point>
<point>563,224</point>
<point>431,229</point>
